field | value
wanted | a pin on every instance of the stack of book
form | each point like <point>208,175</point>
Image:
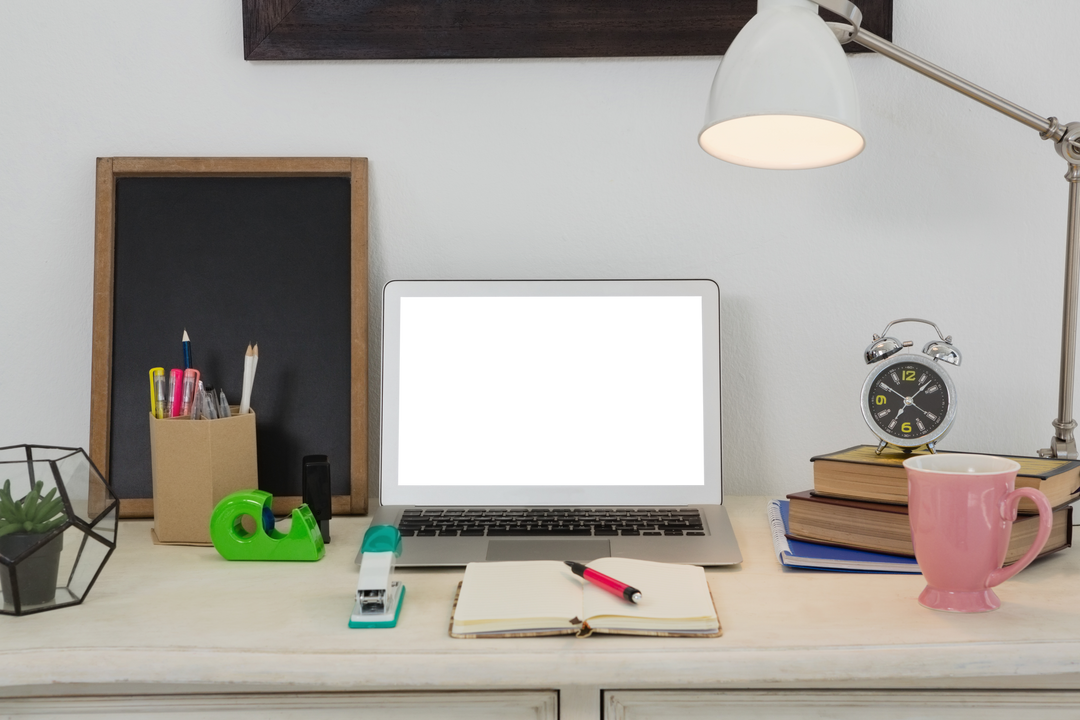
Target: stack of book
<point>859,501</point>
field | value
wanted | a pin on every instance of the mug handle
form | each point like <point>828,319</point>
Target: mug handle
<point>1046,522</point>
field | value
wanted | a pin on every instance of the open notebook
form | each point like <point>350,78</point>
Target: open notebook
<point>543,597</point>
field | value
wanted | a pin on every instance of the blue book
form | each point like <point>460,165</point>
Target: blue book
<point>796,553</point>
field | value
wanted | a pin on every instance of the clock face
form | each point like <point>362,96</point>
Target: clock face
<point>908,401</point>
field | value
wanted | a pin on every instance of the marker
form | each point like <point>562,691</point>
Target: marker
<point>191,381</point>
<point>176,391</point>
<point>157,392</point>
<point>610,584</point>
<point>186,342</point>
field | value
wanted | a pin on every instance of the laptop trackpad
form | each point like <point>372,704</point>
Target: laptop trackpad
<point>547,549</point>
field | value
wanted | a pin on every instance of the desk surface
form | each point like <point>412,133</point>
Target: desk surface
<point>183,615</point>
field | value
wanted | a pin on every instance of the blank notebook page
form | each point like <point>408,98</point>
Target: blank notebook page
<point>667,591</point>
<point>518,590</point>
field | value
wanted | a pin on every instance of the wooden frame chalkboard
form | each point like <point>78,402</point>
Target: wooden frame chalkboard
<point>151,202</point>
<point>414,29</point>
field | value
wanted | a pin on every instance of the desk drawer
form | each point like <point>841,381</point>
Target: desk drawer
<point>842,704</point>
<point>511,705</point>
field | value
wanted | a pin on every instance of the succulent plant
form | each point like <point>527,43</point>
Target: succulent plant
<point>35,513</point>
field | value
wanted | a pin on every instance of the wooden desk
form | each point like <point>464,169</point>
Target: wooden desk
<point>179,629</point>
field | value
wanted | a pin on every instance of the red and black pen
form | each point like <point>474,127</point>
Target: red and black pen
<point>610,584</point>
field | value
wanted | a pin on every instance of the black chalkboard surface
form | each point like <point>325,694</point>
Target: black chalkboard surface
<point>233,259</point>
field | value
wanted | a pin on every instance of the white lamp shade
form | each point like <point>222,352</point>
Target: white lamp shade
<point>783,97</point>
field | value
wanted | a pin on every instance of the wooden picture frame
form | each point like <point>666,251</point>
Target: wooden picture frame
<point>456,29</point>
<point>111,169</point>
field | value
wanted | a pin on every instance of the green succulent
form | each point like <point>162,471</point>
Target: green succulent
<point>35,513</point>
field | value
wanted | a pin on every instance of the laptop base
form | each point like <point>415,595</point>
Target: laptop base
<point>717,547</point>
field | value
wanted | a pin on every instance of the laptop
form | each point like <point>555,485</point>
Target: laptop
<point>552,420</point>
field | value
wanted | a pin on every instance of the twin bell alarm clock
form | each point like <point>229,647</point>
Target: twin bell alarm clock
<point>909,400</point>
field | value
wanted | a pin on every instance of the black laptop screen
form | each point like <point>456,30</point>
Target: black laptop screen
<point>551,391</point>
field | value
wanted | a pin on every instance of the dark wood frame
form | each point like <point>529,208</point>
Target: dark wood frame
<point>411,29</point>
<point>108,171</point>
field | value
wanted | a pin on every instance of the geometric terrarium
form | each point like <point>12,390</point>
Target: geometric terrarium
<point>57,527</point>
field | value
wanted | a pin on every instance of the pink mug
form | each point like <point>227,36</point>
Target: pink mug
<point>961,509</point>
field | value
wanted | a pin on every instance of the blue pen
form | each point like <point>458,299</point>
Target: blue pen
<point>187,350</point>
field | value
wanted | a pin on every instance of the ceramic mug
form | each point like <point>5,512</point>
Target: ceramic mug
<point>961,509</point>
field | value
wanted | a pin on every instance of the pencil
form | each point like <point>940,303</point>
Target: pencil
<point>249,372</point>
<point>186,342</point>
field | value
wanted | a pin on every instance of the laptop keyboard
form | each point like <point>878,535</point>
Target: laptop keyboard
<point>550,522</point>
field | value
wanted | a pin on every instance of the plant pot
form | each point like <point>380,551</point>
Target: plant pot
<point>35,574</point>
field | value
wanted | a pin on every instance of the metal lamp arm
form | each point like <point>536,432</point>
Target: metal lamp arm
<point>845,10</point>
<point>1049,128</point>
<point>1066,138</point>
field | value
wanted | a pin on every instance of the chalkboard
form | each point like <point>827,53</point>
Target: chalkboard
<point>234,251</point>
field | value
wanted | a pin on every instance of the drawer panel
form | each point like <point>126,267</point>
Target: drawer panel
<point>512,705</point>
<point>842,704</point>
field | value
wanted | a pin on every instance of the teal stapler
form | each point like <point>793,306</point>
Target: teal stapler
<point>264,542</point>
<point>378,595</point>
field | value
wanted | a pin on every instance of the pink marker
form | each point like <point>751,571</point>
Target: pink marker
<point>613,586</point>
<point>176,391</point>
<point>191,381</point>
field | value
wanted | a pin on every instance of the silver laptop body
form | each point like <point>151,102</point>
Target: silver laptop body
<point>553,419</point>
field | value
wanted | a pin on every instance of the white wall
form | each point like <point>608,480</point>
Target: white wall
<point>583,168</point>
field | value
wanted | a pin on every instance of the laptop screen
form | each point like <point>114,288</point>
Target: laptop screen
<point>550,393</point>
<point>560,391</point>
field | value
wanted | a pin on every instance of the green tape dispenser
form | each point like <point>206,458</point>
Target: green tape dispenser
<point>303,542</point>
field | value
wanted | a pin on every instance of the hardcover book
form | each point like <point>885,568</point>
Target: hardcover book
<point>543,597</point>
<point>858,473</point>
<point>882,527</point>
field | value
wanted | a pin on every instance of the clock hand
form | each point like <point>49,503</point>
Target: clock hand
<point>895,392</point>
<point>920,409</point>
<point>922,388</point>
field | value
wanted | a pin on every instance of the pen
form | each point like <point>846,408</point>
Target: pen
<point>176,392</point>
<point>209,403</point>
<point>157,392</point>
<point>608,583</point>
<point>186,342</point>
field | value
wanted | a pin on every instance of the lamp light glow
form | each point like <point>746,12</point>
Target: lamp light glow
<point>783,97</point>
<point>781,142</point>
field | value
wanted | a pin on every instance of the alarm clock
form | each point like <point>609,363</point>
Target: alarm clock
<point>909,400</point>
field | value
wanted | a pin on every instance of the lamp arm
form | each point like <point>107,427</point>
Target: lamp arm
<point>1049,128</point>
<point>845,10</point>
<point>1067,141</point>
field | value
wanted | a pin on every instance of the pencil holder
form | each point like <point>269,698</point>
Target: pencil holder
<point>195,464</point>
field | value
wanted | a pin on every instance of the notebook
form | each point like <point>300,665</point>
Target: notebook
<point>552,420</point>
<point>796,553</point>
<point>534,599</point>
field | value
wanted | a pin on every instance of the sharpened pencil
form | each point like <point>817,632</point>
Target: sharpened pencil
<point>249,376</point>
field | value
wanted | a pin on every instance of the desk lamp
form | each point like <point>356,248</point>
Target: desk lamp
<point>784,98</point>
